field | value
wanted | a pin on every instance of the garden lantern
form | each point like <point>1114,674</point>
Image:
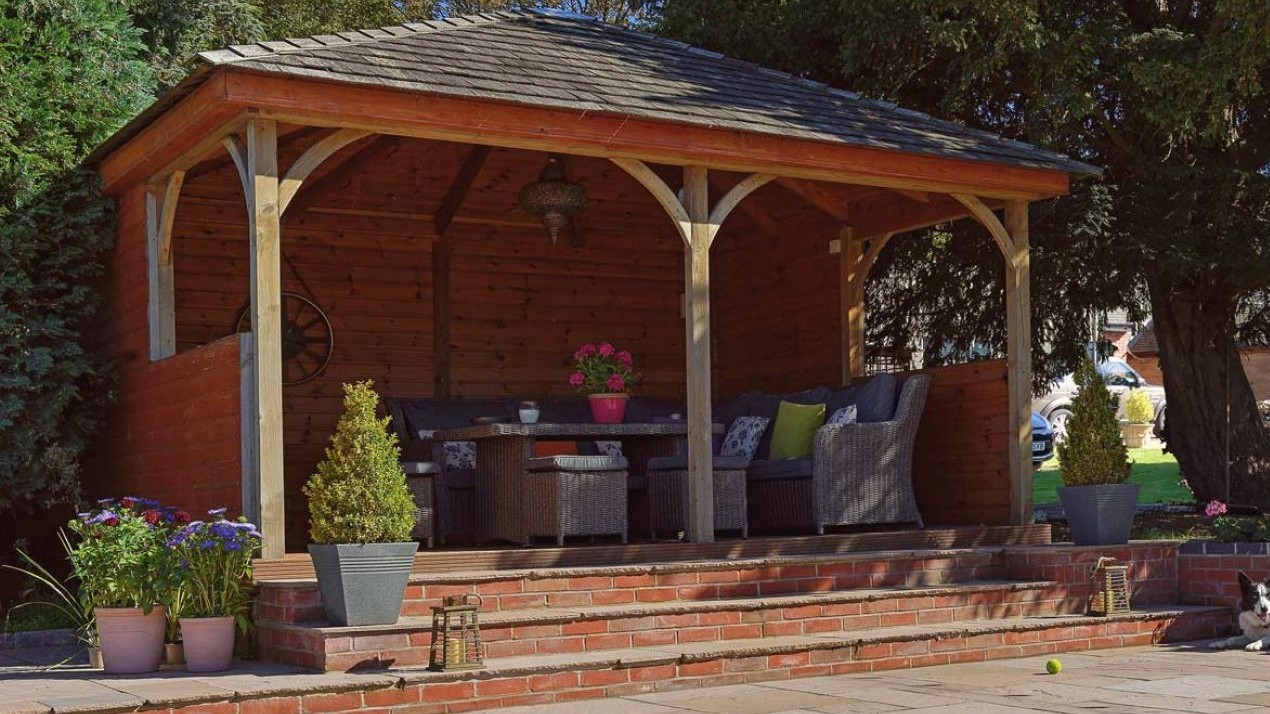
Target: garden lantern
<point>553,198</point>
<point>1108,588</point>
<point>456,634</point>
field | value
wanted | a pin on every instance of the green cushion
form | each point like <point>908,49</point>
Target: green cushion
<point>796,424</point>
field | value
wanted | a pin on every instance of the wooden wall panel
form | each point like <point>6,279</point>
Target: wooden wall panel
<point>520,305</point>
<point>174,431</point>
<point>962,469</point>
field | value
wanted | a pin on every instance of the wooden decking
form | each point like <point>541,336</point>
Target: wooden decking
<point>299,566</point>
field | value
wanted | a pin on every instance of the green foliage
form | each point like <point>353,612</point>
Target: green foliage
<point>1092,452</point>
<point>359,493</point>
<point>1240,529</point>
<point>176,30</point>
<point>1138,408</point>
<point>59,607</point>
<point>73,73</point>
<point>1153,470</point>
<point>122,559</point>
<point>215,568</point>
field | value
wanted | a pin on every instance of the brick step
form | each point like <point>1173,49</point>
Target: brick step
<point>299,601</point>
<point>542,679</point>
<point>587,629</point>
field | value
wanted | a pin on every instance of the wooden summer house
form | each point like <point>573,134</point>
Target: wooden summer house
<point>733,215</point>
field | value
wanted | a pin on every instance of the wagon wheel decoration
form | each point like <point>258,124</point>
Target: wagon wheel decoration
<point>307,338</point>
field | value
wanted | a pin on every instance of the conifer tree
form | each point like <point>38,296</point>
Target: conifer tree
<point>1092,452</point>
<point>359,493</point>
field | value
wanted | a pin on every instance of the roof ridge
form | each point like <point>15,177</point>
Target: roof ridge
<point>256,50</point>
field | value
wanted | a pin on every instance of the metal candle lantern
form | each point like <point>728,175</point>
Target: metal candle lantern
<point>456,634</point>
<point>1108,588</point>
<point>553,198</point>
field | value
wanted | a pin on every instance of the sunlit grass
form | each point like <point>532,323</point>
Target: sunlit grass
<point>1153,469</point>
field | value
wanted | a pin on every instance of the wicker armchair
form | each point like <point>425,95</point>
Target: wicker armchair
<point>863,473</point>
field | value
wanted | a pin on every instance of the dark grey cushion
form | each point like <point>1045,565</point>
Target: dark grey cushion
<point>678,463</point>
<point>410,415</point>
<point>874,399</point>
<point>577,463</point>
<point>780,469</point>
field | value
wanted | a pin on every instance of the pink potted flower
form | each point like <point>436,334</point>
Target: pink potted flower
<point>606,375</point>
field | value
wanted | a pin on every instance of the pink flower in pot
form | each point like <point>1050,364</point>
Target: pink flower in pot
<point>576,379</point>
<point>625,358</point>
<point>1215,508</point>
<point>616,383</point>
<point>607,349</point>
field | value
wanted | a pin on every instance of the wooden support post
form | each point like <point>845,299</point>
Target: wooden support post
<point>263,218</point>
<point>161,200</point>
<point>441,388</point>
<point>850,260</point>
<point>1018,298</point>
<point>697,324</point>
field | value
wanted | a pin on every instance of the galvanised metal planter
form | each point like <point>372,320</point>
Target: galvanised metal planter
<point>363,584</point>
<point>1100,514</point>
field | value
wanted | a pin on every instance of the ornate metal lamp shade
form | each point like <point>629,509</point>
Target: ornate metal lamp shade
<point>553,198</point>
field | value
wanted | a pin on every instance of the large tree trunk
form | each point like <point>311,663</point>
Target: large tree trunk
<point>1202,370</point>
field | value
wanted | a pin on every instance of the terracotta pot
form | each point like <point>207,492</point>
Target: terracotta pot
<point>94,658</point>
<point>209,643</point>
<point>1134,434</point>
<point>131,641</point>
<point>608,408</point>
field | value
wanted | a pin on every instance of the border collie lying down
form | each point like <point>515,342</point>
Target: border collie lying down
<point>1254,617</point>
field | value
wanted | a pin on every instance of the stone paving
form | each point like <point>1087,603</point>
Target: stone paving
<point>1167,678</point>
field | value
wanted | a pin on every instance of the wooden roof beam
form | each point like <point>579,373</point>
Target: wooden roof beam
<point>893,214</point>
<point>827,199</point>
<point>459,188</point>
<point>373,153</point>
<point>612,135</point>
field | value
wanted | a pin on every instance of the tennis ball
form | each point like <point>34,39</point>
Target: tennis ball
<point>1053,666</point>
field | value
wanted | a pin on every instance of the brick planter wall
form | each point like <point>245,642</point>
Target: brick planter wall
<point>1208,571</point>
<point>1153,570</point>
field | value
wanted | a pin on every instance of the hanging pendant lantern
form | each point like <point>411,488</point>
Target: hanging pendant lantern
<point>553,198</point>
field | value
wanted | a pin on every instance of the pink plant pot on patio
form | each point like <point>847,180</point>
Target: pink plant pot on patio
<point>608,408</point>
<point>131,641</point>
<point>209,643</point>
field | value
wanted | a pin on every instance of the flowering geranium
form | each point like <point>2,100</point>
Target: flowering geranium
<point>120,559</point>
<point>1215,508</point>
<point>215,557</point>
<point>602,368</point>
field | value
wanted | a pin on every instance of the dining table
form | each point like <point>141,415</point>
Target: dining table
<point>503,450</point>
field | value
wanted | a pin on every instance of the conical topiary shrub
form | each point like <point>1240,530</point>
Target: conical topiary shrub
<point>1094,463</point>
<point>359,493</point>
<point>361,515</point>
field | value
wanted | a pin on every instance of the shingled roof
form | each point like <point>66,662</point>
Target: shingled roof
<point>557,60</point>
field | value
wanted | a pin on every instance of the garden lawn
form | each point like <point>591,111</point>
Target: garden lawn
<point>1153,469</point>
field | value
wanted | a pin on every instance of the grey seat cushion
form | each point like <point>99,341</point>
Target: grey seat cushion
<point>780,469</point>
<point>577,463</point>
<point>678,463</point>
<point>420,468</point>
<point>874,399</point>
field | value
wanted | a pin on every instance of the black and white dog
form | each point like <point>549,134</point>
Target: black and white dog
<point>1254,617</point>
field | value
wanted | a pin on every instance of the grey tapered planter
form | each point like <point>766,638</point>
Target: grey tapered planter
<point>363,584</point>
<point>1101,514</point>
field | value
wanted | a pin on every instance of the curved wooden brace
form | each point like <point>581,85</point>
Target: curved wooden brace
<point>876,245</point>
<point>238,152</point>
<point>666,197</point>
<point>313,157</point>
<point>733,198</point>
<point>985,216</point>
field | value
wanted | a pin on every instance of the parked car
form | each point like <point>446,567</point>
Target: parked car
<point>1120,378</point>
<point>1042,441</point>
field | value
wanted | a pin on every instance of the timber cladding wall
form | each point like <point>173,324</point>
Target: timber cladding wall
<point>362,243</point>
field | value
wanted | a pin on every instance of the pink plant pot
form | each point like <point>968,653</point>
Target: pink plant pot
<point>608,408</point>
<point>131,641</point>
<point>209,643</point>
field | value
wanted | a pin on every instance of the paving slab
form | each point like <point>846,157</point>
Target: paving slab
<point>737,699</point>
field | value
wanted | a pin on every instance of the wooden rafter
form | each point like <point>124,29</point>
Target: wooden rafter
<point>826,198</point>
<point>459,188</point>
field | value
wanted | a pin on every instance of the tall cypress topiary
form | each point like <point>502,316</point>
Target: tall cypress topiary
<point>1092,452</point>
<point>359,493</point>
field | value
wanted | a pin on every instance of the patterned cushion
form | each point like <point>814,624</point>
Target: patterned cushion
<point>609,448</point>
<point>743,436</point>
<point>458,454</point>
<point>845,415</point>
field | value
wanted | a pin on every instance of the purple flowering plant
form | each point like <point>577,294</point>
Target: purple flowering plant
<point>214,557</point>
<point>119,556</point>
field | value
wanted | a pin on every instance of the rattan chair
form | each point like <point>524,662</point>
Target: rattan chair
<point>574,496</point>
<point>421,479</point>
<point>668,493</point>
